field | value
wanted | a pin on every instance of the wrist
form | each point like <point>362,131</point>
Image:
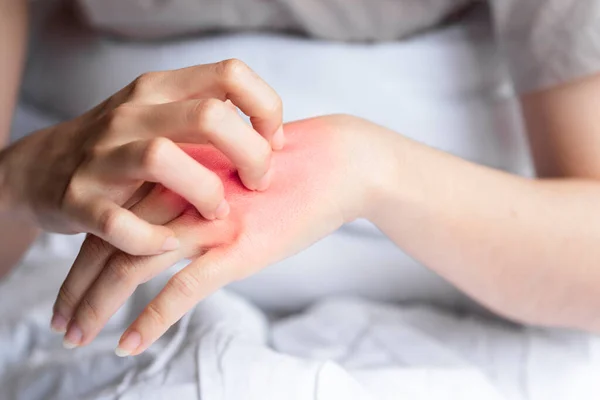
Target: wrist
<point>8,203</point>
<point>11,205</point>
<point>391,186</point>
<point>377,158</point>
<point>4,192</point>
<point>385,182</point>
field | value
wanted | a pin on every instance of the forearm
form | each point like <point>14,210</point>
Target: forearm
<point>527,249</point>
<point>13,37</point>
<point>16,233</point>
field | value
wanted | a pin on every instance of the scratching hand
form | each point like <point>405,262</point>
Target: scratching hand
<point>84,174</point>
<point>319,182</point>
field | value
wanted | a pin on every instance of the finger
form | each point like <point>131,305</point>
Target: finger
<point>141,193</point>
<point>198,121</point>
<point>123,229</point>
<point>115,283</point>
<point>122,273</point>
<point>184,290</point>
<point>231,105</point>
<point>86,267</point>
<point>162,161</point>
<point>159,207</point>
<point>226,80</point>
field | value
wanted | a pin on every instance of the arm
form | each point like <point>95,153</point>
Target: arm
<point>13,36</point>
<point>526,248</point>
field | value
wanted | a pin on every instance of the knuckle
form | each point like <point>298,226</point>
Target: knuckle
<point>143,84</point>
<point>115,120</point>
<point>99,150</point>
<point>185,284</point>
<point>207,113</point>
<point>66,297</point>
<point>108,222</point>
<point>93,246</point>
<point>274,105</point>
<point>87,311</point>
<point>232,70</point>
<point>154,153</point>
<point>72,195</point>
<point>156,315</point>
<point>121,268</point>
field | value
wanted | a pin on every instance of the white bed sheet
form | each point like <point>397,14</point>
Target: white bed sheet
<point>340,348</point>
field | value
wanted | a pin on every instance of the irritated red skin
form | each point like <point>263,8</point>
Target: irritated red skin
<point>265,226</point>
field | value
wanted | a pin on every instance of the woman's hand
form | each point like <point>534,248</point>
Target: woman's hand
<point>327,175</point>
<point>82,175</point>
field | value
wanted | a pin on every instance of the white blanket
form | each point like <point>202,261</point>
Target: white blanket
<point>341,348</point>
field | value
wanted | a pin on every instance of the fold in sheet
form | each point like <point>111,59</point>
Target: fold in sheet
<point>340,348</point>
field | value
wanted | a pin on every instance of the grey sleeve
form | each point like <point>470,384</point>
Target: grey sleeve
<point>548,42</point>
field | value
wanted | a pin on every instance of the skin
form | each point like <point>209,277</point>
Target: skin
<point>299,208</point>
<point>13,36</point>
<point>103,159</point>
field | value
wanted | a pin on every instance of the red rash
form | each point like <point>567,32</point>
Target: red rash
<point>264,226</point>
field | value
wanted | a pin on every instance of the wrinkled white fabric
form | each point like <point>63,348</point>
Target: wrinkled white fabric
<point>340,348</point>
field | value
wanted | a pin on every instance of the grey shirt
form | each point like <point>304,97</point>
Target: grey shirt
<point>546,42</point>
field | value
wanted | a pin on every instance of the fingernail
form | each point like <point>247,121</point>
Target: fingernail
<point>128,344</point>
<point>170,244</point>
<point>73,337</point>
<point>58,324</point>
<point>264,183</point>
<point>222,210</point>
<point>278,140</point>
